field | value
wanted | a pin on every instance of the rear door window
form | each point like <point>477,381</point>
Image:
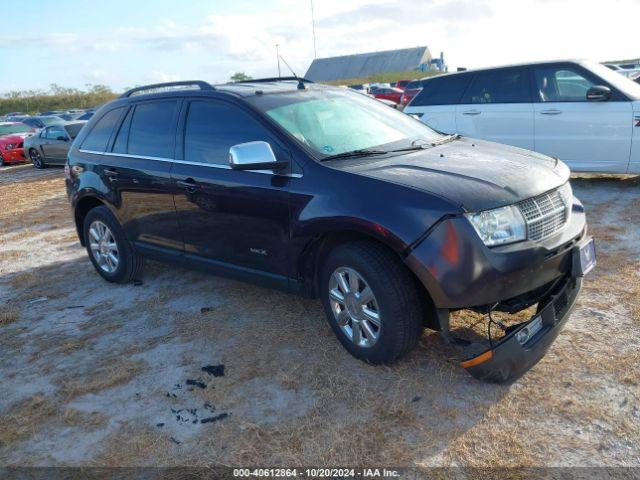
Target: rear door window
<point>152,131</point>
<point>499,86</point>
<point>100,134</point>
<point>446,90</point>
<point>122,138</point>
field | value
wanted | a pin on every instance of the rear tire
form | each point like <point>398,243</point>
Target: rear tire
<point>37,159</point>
<point>394,295</point>
<point>112,255</point>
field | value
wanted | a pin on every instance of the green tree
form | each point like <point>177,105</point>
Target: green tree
<point>240,77</point>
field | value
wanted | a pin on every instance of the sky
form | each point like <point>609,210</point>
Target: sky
<point>123,43</point>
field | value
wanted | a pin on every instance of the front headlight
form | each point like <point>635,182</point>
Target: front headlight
<point>499,226</point>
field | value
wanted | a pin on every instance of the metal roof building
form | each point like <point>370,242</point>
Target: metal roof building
<point>364,64</point>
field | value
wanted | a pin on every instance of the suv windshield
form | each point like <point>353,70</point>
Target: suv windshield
<point>332,122</point>
<point>51,120</point>
<point>14,128</point>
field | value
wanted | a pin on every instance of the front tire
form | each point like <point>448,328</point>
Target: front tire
<point>371,302</point>
<point>112,255</point>
<point>37,159</point>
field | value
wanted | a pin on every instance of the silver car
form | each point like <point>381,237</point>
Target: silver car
<point>51,145</point>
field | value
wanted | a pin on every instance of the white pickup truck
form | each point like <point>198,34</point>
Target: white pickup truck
<point>581,112</point>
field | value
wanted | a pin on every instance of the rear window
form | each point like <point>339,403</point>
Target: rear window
<point>499,86</point>
<point>74,129</point>
<point>101,131</point>
<point>152,131</point>
<point>413,84</point>
<point>442,91</point>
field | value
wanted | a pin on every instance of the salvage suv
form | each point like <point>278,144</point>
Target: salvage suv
<point>327,193</point>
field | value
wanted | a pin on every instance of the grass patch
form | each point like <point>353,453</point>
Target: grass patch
<point>109,377</point>
<point>8,315</point>
<point>25,419</point>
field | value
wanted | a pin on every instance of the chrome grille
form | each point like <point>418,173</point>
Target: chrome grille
<point>548,213</point>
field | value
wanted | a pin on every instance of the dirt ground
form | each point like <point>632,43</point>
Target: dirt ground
<point>95,374</point>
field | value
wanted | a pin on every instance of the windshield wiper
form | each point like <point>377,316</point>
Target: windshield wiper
<point>425,145</point>
<point>365,152</point>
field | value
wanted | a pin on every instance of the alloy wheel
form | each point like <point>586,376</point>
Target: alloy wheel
<point>103,246</point>
<point>36,158</point>
<point>354,307</point>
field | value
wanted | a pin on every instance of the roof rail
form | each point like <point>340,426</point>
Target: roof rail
<point>274,79</point>
<point>168,85</point>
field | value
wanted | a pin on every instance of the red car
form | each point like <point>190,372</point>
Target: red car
<point>12,135</point>
<point>410,90</point>
<point>387,93</point>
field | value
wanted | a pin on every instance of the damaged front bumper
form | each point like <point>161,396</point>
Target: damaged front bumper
<point>524,344</point>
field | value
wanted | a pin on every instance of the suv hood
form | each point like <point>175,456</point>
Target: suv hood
<point>474,174</point>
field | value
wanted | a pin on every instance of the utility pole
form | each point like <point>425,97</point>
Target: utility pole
<point>313,29</point>
<point>278,55</point>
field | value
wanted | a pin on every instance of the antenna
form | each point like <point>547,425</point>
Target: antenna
<point>313,29</point>
<point>300,82</point>
<point>278,57</point>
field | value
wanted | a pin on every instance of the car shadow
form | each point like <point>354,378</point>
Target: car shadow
<point>269,341</point>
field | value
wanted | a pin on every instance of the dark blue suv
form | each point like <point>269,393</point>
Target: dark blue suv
<point>327,193</point>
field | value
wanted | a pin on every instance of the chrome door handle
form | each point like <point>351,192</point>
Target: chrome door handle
<point>472,112</point>
<point>551,112</point>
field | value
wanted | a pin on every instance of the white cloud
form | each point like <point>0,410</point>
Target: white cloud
<point>472,33</point>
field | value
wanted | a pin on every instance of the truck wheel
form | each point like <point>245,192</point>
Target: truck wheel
<point>371,301</point>
<point>111,253</point>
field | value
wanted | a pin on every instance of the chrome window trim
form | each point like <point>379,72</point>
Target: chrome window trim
<point>184,162</point>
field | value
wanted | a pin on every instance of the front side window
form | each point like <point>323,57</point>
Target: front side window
<point>499,86</point>
<point>330,122</point>
<point>101,131</point>
<point>152,129</point>
<point>562,84</point>
<point>53,133</point>
<point>212,128</point>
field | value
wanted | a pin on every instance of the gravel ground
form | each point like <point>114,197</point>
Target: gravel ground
<point>97,374</point>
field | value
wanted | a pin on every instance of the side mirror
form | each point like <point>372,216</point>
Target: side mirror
<point>254,156</point>
<point>598,93</point>
<point>64,139</point>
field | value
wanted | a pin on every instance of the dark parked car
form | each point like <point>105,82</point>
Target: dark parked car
<point>327,193</point>
<point>86,115</point>
<point>51,145</point>
<point>42,121</point>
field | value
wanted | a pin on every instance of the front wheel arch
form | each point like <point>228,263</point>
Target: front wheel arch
<point>319,249</point>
